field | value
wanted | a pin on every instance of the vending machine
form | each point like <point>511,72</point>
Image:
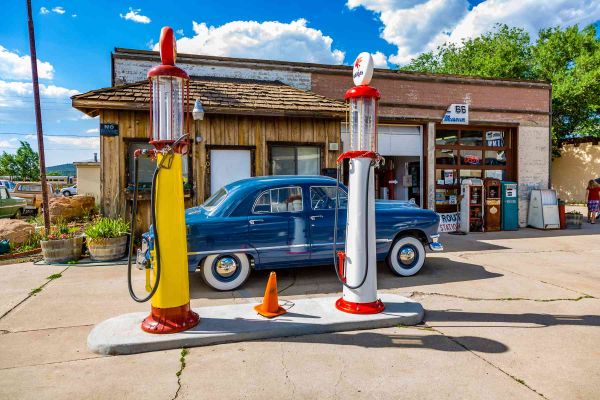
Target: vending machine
<point>510,206</point>
<point>492,214</point>
<point>471,206</point>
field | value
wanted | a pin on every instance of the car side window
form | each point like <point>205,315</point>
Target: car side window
<point>3,193</point>
<point>323,198</point>
<point>288,199</point>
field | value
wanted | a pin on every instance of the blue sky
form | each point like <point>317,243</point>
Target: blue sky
<point>75,38</point>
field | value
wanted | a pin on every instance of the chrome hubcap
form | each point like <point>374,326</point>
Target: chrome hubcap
<point>226,266</point>
<point>407,255</point>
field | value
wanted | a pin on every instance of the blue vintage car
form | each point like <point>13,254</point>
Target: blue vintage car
<point>275,222</point>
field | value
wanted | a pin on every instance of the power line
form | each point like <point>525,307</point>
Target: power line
<point>92,135</point>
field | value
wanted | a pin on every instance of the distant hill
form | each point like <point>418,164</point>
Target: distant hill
<point>62,169</point>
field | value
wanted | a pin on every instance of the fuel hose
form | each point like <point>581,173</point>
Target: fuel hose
<point>335,229</point>
<point>131,236</point>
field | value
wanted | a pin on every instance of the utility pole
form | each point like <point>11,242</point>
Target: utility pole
<point>38,118</point>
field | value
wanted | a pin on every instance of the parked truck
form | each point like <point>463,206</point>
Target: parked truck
<point>10,206</point>
<point>32,193</point>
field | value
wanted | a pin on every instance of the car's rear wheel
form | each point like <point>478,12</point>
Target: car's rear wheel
<point>406,257</point>
<point>18,214</point>
<point>225,271</point>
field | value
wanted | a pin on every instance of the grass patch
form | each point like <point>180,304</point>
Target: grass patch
<point>35,291</point>
<point>54,276</point>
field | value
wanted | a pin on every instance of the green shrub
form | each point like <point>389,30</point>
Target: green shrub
<point>105,228</point>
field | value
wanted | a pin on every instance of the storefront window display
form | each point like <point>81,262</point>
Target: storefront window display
<point>469,153</point>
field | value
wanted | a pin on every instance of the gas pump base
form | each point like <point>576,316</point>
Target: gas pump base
<point>170,320</point>
<point>239,323</point>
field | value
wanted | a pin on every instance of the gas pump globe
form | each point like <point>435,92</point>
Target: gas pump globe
<point>357,265</point>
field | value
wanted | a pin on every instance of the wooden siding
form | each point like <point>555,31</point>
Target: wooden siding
<point>215,130</point>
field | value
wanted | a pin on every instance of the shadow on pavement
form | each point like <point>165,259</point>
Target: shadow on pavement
<point>479,241</point>
<point>322,280</point>
<point>380,340</point>
<point>542,320</point>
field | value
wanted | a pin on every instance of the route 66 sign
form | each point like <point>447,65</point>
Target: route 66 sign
<point>457,114</point>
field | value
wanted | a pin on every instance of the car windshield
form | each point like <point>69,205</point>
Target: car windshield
<point>213,201</point>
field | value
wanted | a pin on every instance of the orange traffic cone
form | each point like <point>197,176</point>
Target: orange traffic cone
<point>270,306</point>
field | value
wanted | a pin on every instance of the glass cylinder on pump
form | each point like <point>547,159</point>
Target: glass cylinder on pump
<point>363,120</point>
<point>168,99</point>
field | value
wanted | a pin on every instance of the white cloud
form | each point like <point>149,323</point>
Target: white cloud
<point>44,11</point>
<point>379,60</point>
<point>5,144</point>
<point>14,66</point>
<point>93,130</point>
<point>20,94</point>
<point>135,16</point>
<point>415,26</point>
<point>273,40</point>
<point>529,14</point>
<point>74,15</point>
<point>179,32</point>
<point>59,10</point>
<point>87,142</point>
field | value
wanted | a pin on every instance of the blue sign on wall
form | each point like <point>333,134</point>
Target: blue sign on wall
<point>109,129</point>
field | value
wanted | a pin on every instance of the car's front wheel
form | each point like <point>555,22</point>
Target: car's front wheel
<point>406,256</point>
<point>225,271</point>
<point>66,193</point>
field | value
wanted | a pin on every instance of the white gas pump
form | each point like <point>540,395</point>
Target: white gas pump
<point>357,265</point>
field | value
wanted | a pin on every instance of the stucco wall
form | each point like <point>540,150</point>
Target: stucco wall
<point>533,164</point>
<point>88,180</point>
<point>573,169</point>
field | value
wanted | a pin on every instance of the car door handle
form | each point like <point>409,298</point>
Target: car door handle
<point>256,221</point>
<point>315,217</point>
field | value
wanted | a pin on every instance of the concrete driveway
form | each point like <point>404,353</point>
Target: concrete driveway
<point>509,315</point>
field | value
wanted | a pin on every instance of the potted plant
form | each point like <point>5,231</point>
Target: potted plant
<point>61,244</point>
<point>107,239</point>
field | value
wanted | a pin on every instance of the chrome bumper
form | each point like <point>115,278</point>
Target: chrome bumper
<point>434,245</point>
<point>140,260</point>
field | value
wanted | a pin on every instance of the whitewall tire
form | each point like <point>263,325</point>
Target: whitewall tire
<point>406,256</point>
<point>225,271</point>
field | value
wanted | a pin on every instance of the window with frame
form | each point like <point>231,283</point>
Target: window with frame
<point>3,193</point>
<point>324,198</point>
<point>288,199</point>
<point>146,166</point>
<point>295,160</point>
<point>469,153</point>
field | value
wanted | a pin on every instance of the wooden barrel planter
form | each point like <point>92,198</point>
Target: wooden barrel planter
<point>62,250</point>
<point>107,249</point>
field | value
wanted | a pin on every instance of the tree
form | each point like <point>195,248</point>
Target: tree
<point>23,165</point>
<point>568,58</point>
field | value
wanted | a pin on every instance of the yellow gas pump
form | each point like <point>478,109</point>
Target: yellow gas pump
<point>168,285</point>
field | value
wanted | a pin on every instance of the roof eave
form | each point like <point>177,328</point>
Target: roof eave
<point>93,107</point>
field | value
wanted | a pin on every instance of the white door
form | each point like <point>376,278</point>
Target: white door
<point>228,166</point>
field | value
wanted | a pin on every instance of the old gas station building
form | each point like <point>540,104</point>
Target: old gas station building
<point>272,117</point>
